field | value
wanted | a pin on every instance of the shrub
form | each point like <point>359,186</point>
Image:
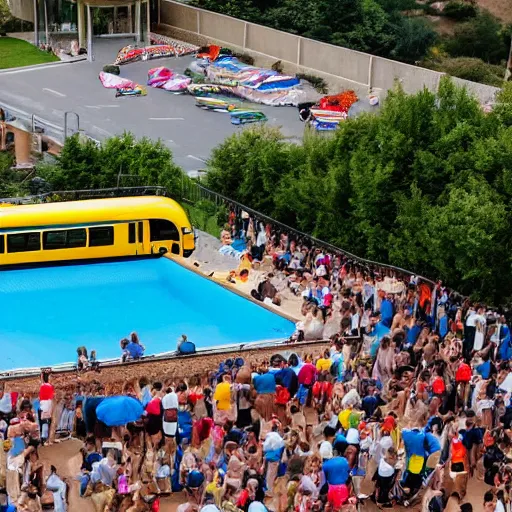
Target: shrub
<point>277,66</point>
<point>318,83</point>
<point>110,68</point>
<point>480,37</point>
<point>472,69</point>
<point>245,58</point>
<point>460,10</point>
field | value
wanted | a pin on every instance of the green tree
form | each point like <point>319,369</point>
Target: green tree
<point>481,37</point>
<point>5,13</point>
<point>412,39</point>
<point>425,185</point>
<point>248,167</point>
<point>84,165</point>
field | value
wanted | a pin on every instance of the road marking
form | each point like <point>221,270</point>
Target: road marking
<point>101,130</point>
<point>197,158</point>
<point>101,106</point>
<point>167,119</point>
<point>57,93</point>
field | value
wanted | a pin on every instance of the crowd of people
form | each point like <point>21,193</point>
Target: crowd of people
<point>26,425</point>
<point>409,408</point>
<point>406,401</point>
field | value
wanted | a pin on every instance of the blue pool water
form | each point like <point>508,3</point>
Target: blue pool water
<point>46,313</point>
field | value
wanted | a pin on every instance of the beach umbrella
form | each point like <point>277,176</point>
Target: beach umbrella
<point>116,411</point>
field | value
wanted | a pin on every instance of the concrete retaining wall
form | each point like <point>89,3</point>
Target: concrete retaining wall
<point>339,67</point>
<point>177,368</point>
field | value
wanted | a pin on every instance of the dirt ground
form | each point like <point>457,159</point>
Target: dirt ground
<point>500,8</point>
<point>66,458</point>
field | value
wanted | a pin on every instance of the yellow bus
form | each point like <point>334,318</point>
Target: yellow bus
<point>93,228</point>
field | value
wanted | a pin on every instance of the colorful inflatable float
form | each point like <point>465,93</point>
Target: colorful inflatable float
<point>123,86</point>
<point>167,79</point>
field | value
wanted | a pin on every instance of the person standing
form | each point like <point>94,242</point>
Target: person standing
<point>46,394</point>
<point>469,332</point>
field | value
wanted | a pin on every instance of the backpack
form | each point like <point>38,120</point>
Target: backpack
<point>463,373</point>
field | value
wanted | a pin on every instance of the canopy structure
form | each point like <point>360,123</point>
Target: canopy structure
<point>130,17</point>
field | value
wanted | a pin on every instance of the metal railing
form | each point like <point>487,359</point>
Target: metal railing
<point>194,192</point>
<point>40,125</point>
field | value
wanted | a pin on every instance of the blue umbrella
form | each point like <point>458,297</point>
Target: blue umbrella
<point>115,411</point>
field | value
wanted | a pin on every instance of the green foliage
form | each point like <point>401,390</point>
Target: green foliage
<point>207,216</point>
<point>426,185</point>
<point>83,165</point>
<point>460,10</point>
<point>318,83</point>
<point>469,68</point>
<point>10,180</point>
<point>110,68</point>
<point>481,38</point>
<point>414,36</point>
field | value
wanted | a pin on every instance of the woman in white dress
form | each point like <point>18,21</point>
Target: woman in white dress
<point>170,418</point>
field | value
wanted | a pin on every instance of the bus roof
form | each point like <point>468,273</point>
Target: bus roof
<point>92,211</point>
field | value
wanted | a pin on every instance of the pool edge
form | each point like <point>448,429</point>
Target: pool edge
<point>226,286</point>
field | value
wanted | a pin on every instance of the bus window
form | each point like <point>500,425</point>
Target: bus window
<point>161,229</point>
<point>131,233</point>
<point>101,236</point>
<point>24,242</point>
<point>141,233</point>
<point>2,244</point>
<point>64,239</point>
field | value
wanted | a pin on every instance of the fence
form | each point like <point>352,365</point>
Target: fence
<point>340,67</point>
<point>194,192</point>
<point>39,125</point>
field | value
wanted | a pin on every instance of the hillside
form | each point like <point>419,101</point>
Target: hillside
<point>500,8</point>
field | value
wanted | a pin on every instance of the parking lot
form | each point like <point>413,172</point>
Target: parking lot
<point>190,132</point>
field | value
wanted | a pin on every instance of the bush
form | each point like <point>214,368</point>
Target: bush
<point>277,66</point>
<point>110,68</point>
<point>469,68</point>
<point>480,37</point>
<point>318,83</point>
<point>460,10</point>
<point>245,58</point>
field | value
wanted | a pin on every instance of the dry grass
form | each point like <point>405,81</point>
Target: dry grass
<point>500,8</point>
<point>442,25</point>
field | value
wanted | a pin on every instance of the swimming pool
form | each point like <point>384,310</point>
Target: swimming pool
<point>48,312</point>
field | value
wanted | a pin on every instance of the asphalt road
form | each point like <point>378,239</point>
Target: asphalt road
<point>190,132</point>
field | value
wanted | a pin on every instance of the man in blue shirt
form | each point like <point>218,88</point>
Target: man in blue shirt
<point>386,309</point>
<point>336,470</point>
<point>376,330</point>
<point>131,350</point>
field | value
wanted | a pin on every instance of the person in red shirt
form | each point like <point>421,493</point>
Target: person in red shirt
<point>306,378</point>
<point>46,394</point>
